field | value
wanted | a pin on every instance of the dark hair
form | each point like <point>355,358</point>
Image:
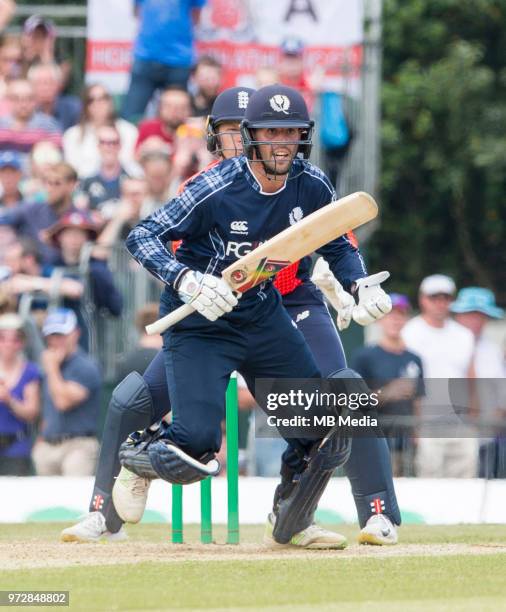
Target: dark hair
<point>69,172</point>
<point>155,155</point>
<point>207,60</point>
<point>85,98</point>
<point>176,88</point>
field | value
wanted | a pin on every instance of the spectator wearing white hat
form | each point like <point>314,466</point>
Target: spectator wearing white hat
<point>446,349</point>
<point>474,308</point>
<point>71,389</point>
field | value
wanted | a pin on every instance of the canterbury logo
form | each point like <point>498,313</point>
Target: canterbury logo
<point>280,103</point>
<point>239,226</point>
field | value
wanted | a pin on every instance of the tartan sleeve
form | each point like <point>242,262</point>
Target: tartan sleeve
<point>187,215</point>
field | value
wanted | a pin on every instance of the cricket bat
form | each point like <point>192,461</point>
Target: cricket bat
<point>290,245</point>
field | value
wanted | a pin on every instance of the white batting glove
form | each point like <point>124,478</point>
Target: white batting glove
<point>209,295</point>
<point>342,302</point>
<point>373,302</point>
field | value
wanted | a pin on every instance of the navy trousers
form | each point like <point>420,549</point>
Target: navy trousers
<point>200,356</point>
<point>368,469</point>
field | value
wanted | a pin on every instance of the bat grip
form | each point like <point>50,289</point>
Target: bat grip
<point>158,327</point>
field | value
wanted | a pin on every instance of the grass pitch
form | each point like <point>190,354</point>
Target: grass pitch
<point>434,568</point>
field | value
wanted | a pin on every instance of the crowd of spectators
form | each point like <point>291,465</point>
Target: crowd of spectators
<point>441,387</point>
<point>76,174</point>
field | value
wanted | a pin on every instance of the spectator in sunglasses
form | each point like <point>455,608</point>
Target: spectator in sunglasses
<point>104,185</point>
<point>80,142</point>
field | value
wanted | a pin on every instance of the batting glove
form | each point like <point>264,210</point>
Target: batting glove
<point>373,302</point>
<point>209,295</point>
<point>342,302</point>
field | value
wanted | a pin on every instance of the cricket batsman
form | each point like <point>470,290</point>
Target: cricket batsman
<point>271,167</point>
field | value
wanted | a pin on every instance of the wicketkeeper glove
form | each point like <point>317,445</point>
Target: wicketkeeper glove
<point>209,295</point>
<point>373,302</point>
<point>342,302</point>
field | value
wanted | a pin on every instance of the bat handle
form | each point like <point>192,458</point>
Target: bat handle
<point>158,327</point>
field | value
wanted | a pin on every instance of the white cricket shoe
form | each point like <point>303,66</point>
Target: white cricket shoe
<point>378,530</point>
<point>92,528</point>
<point>130,494</point>
<point>313,537</point>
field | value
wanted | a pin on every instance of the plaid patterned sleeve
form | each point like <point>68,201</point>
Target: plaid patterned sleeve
<point>186,215</point>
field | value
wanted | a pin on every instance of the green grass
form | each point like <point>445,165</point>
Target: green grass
<point>198,585</point>
<point>322,582</point>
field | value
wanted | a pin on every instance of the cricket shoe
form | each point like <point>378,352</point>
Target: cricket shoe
<point>313,537</point>
<point>378,530</point>
<point>129,495</point>
<point>91,529</point>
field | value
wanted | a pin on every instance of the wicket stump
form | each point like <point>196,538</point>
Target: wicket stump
<point>206,518</point>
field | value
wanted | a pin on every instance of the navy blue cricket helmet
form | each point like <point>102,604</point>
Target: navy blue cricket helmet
<point>277,106</point>
<point>230,105</point>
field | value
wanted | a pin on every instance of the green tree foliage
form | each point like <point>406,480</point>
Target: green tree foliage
<point>443,180</point>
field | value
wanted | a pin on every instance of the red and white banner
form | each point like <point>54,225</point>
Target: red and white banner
<point>243,34</point>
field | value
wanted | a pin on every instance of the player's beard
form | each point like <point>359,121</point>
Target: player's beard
<point>277,168</point>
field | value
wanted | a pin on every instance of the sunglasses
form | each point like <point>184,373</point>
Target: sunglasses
<point>54,183</point>
<point>16,98</point>
<point>11,60</point>
<point>16,338</point>
<point>101,98</point>
<point>440,296</point>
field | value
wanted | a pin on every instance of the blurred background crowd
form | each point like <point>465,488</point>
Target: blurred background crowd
<point>79,167</point>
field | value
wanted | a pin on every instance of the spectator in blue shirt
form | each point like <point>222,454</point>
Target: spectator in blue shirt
<point>163,50</point>
<point>389,366</point>
<point>71,389</point>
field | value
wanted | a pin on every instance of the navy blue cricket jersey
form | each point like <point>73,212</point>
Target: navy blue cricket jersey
<point>222,214</point>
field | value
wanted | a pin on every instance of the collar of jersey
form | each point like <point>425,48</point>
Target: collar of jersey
<point>253,181</point>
